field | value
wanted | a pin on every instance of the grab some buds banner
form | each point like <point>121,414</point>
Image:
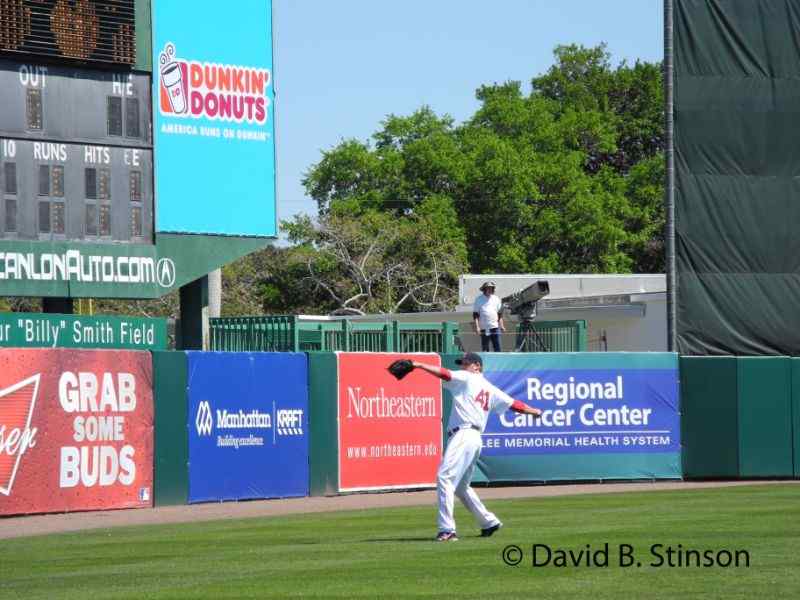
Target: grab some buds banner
<point>76,430</point>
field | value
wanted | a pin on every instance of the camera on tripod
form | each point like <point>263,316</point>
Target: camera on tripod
<point>523,304</point>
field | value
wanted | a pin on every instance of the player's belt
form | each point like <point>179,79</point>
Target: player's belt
<point>455,430</point>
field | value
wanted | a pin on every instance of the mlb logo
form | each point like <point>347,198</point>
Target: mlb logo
<point>144,494</point>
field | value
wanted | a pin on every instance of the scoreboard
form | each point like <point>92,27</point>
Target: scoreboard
<point>90,135</point>
<point>76,154</point>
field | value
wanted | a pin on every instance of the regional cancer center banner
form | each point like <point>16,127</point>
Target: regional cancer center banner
<point>606,416</point>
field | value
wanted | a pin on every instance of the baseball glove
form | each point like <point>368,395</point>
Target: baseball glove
<point>400,368</point>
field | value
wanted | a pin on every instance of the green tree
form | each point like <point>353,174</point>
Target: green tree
<point>566,178</point>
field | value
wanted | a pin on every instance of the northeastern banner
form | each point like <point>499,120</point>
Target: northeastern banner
<point>76,430</point>
<point>390,432</point>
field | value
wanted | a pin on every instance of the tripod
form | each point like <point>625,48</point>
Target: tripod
<point>528,339</point>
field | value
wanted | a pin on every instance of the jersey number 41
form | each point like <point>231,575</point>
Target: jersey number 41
<point>483,399</point>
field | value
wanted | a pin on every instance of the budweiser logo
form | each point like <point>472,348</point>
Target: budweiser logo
<point>16,434</point>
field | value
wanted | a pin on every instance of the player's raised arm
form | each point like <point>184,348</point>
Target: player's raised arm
<point>439,372</point>
<point>521,407</point>
<point>502,402</point>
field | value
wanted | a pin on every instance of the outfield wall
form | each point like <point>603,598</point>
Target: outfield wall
<point>102,429</point>
<point>741,417</point>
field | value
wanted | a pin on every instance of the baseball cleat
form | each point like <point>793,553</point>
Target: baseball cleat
<point>447,536</point>
<point>490,530</point>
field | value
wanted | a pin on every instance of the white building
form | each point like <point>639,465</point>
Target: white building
<point>622,312</point>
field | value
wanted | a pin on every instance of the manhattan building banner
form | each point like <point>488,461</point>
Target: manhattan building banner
<point>606,416</point>
<point>76,430</point>
<point>390,432</point>
<point>247,418</point>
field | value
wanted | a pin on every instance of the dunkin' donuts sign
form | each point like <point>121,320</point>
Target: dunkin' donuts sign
<point>214,118</point>
<point>208,90</point>
<point>76,430</point>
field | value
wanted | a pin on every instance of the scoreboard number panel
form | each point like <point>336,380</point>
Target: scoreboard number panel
<point>76,153</point>
<point>80,30</point>
<point>57,191</point>
<point>71,104</point>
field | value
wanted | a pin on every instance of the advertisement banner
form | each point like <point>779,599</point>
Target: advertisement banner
<point>609,415</point>
<point>390,431</point>
<point>214,120</point>
<point>248,425</point>
<point>76,430</point>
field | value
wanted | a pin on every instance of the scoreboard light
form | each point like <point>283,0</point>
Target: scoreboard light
<point>101,31</point>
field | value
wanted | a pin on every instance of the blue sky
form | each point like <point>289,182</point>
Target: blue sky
<point>342,65</point>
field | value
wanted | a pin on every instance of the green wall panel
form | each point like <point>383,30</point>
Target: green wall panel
<point>323,383</point>
<point>765,417</point>
<point>171,454</point>
<point>795,362</point>
<point>144,36</point>
<point>709,416</point>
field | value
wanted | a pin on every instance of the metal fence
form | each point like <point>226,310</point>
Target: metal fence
<point>554,336</point>
<point>291,334</point>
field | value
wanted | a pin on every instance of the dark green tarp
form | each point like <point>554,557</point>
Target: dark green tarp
<point>737,178</point>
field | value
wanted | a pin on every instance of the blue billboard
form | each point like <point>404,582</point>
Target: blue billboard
<point>247,418</point>
<point>606,416</point>
<point>214,119</point>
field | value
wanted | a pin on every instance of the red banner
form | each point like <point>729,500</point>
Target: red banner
<point>76,430</point>
<point>390,432</point>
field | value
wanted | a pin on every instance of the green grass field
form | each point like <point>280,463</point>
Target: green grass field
<point>389,553</point>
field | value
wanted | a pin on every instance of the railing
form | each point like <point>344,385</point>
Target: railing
<point>291,334</point>
<point>552,336</point>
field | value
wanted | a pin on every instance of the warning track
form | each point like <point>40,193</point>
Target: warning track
<point>11,527</point>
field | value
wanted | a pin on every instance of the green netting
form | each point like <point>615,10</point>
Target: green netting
<point>737,161</point>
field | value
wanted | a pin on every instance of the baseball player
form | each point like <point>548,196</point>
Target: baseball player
<point>473,398</point>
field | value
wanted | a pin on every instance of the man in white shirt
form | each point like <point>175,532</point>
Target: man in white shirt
<point>473,397</point>
<point>487,316</point>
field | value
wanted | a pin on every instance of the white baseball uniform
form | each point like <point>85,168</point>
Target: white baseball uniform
<point>473,398</point>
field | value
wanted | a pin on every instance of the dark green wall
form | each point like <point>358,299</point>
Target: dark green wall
<point>795,369</point>
<point>323,379</point>
<point>765,417</point>
<point>709,416</point>
<point>171,454</point>
<point>739,416</point>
